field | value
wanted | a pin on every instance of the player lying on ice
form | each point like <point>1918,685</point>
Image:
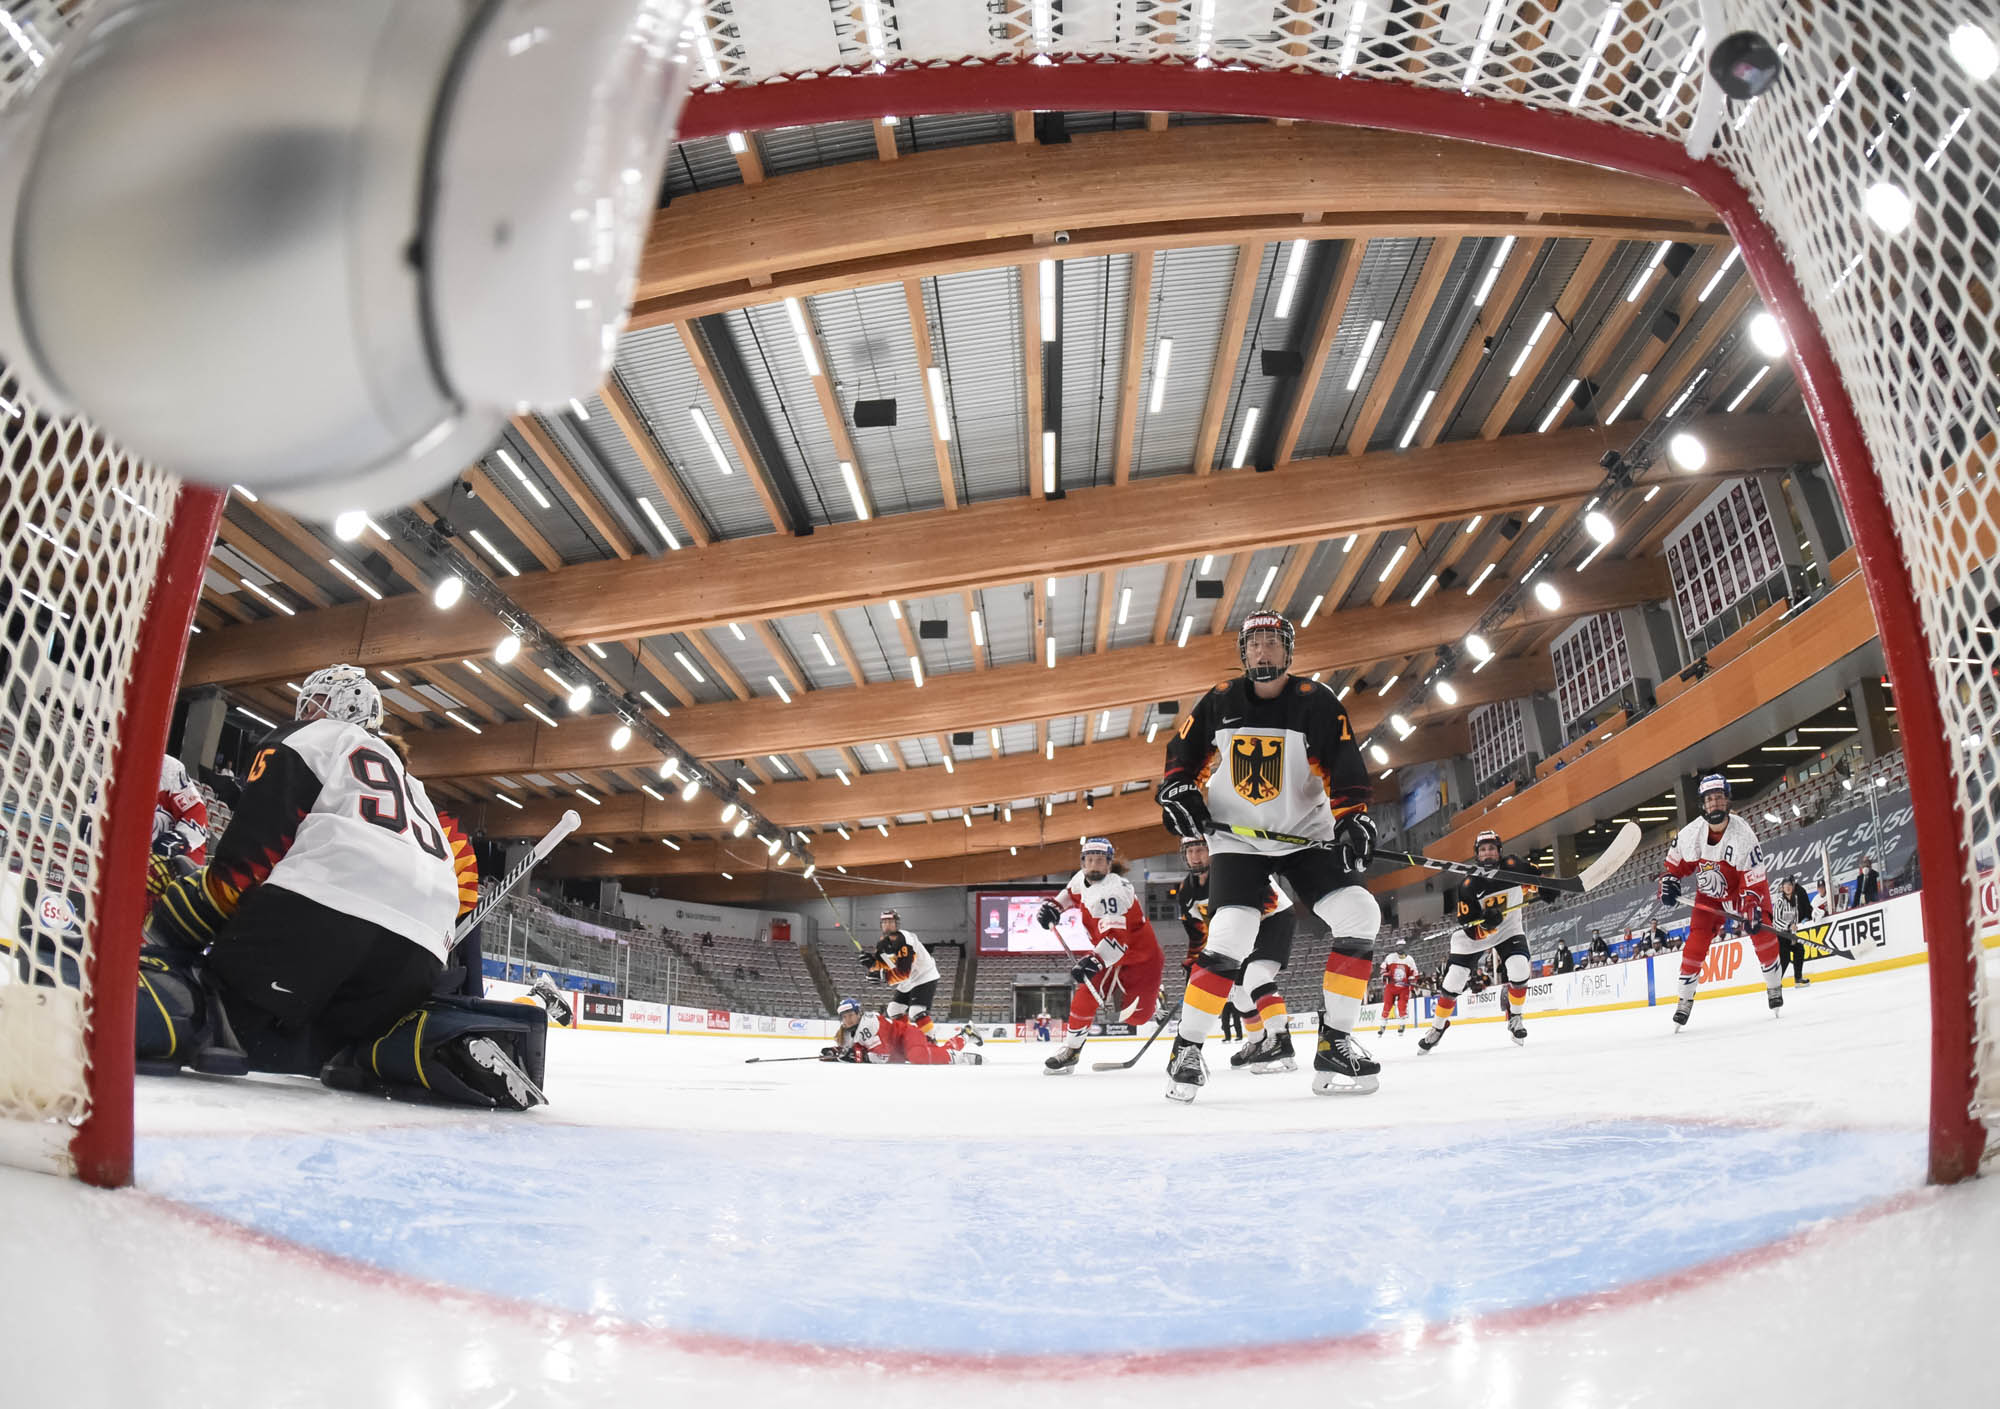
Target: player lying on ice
<point>1488,910</point>
<point>1126,949</point>
<point>879,1038</point>
<point>1730,887</point>
<point>313,940</point>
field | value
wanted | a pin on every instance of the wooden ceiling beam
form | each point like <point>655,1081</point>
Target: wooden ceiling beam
<point>557,464</point>
<point>1473,354</point>
<point>1228,351</point>
<point>488,492</point>
<point>271,564</point>
<point>920,337</point>
<point>1396,357</point>
<point>971,207</point>
<point>1132,388</point>
<point>1574,293</point>
<point>638,434</point>
<point>994,543</point>
<point>732,424</point>
<point>1319,344</point>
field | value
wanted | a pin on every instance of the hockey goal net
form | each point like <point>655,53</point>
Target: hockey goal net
<point>1857,189</point>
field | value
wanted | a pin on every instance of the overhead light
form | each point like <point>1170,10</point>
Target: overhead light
<point>1162,355</point>
<point>689,667</point>
<point>1290,285</point>
<point>1124,605</point>
<point>734,630</point>
<point>737,145</point>
<point>1973,50</point>
<point>649,791</point>
<point>939,418</point>
<point>948,766</point>
<point>729,814</point>
<point>599,651</point>
<point>620,737</point>
<point>1887,205</point>
<point>1311,612</point>
<point>1348,546</point>
<point>1207,562</point>
<point>853,484</point>
<point>240,489</point>
<point>1152,729</point>
<point>585,794</point>
<point>917,672</point>
<point>778,688</point>
<point>896,608</point>
<point>883,828</point>
<point>993,737</point>
<point>454,717</point>
<point>707,434</point>
<point>1049,749</point>
<point>1561,404</point>
<point>1187,625</point>
<point>844,834</point>
<point>967,816</point>
<point>513,466</point>
<point>1049,476</point>
<point>267,596</point>
<point>670,767</point>
<point>352,576</point>
<point>1649,494</point>
<point>1103,721</point>
<point>1410,431</point>
<point>1387,685</point>
<point>692,790</point>
<point>1048,290</point>
<point>579,699</point>
<point>1766,335</point>
<point>813,866</point>
<point>1270,576</point>
<point>1378,753</point>
<point>538,714</point>
<point>495,554</point>
<point>1343,692</point>
<point>1424,590</point>
<point>1646,274</point>
<point>742,826</point>
<point>1049,651</point>
<point>826,654</point>
<point>1484,573</point>
<point>1402,726</point>
<point>1394,558</point>
<point>1243,440</point>
<point>511,801</point>
<point>1367,347</point>
<point>1476,645</point>
<point>845,781</point>
<point>449,591</point>
<point>350,525</point>
<point>1493,272</point>
<point>1599,527</point>
<point>1687,451</point>
<point>1546,594</point>
<point>602,847</point>
<point>1744,394</point>
<point>659,524</point>
<point>1474,522</point>
<point>1537,513</point>
<point>881,753</point>
<point>1521,359</point>
<point>647,696</point>
<point>1626,400</point>
<point>797,315</point>
<point>470,666</point>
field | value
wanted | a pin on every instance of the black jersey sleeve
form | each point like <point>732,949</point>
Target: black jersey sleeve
<point>1192,747</point>
<point>1336,754</point>
<point>279,792</point>
<point>1185,902</point>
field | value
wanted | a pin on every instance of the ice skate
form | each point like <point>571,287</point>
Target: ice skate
<point>1064,1062</point>
<point>1682,1010</point>
<point>971,1034</point>
<point>1402,1030</point>
<point>967,1059</point>
<point>1342,1066</point>
<point>484,1065</point>
<point>545,989</point>
<point>1801,981</point>
<point>1187,1073</point>
<point>1517,1028</point>
<point>1776,998</point>
<point>1432,1038</point>
<point>1275,1055</point>
<point>1249,1052</point>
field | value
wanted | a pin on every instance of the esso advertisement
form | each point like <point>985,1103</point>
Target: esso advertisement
<point>54,912</point>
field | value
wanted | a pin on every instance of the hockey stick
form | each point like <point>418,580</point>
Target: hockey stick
<point>1070,953</point>
<point>750,1061</point>
<point>565,824</point>
<point>1827,944</point>
<point>1412,858</point>
<point>1133,1060</point>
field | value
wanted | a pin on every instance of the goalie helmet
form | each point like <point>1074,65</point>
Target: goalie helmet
<point>1264,621</point>
<point>342,692</point>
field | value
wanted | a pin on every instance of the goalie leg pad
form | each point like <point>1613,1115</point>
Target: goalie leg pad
<point>465,1051</point>
<point>173,1013</point>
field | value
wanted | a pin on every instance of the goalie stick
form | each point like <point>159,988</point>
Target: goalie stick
<point>1590,878</point>
<point>565,824</point>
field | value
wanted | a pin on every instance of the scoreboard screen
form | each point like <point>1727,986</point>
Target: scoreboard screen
<point>1006,924</point>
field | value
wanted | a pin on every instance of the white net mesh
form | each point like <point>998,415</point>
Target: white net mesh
<point>1871,162</point>
<point>84,527</point>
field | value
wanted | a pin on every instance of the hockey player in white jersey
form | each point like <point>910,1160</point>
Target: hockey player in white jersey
<point>323,920</point>
<point>901,961</point>
<point>1731,889</point>
<point>1277,753</point>
<point>1125,949</point>
<point>1489,918</point>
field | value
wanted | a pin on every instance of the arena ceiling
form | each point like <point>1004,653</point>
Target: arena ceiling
<point>1149,372</point>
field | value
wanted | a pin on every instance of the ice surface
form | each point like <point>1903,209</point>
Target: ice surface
<point>1613,1214</point>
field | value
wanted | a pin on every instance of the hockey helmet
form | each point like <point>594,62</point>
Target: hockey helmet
<point>848,1005</point>
<point>1099,844</point>
<point>1264,621</point>
<point>1488,835</point>
<point>1713,783</point>
<point>342,692</point>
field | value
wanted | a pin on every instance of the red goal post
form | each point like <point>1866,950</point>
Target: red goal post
<point>1892,332</point>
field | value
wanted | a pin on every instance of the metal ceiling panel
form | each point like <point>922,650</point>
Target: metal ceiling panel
<point>1598,305</point>
<point>924,133</point>
<point>804,636</point>
<point>952,654</point>
<point>785,38</point>
<point>561,526</point>
<point>824,761</point>
<point>876,642</point>
<point>1543,287</point>
<point>1008,615</point>
<point>786,149</point>
<point>1248,386</point>
<point>782,389</point>
<point>616,454</point>
<point>872,349</point>
<point>747,657</point>
<point>1436,348</point>
<point>660,375</point>
<point>1327,557</point>
<point>1389,268</point>
<point>701,164</point>
<point>977,318</point>
<point>1094,297</point>
<point>1190,301</point>
<point>684,664</point>
<point>1071,613</point>
<point>1263,563</point>
<point>1145,585</point>
<point>312,566</point>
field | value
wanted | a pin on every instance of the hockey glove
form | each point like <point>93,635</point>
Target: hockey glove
<point>1047,916</point>
<point>1670,890</point>
<point>1086,968</point>
<point>829,1054</point>
<point>1356,834</point>
<point>1495,908</point>
<point>1753,914</point>
<point>186,915</point>
<point>1183,808</point>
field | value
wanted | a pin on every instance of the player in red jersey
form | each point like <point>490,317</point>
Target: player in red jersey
<point>1399,971</point>
<point>1730,888</point>
<point>883,1040</point>
<point>1126,948</point>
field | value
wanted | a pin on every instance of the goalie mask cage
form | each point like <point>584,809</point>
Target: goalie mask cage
<point>1892,334</point>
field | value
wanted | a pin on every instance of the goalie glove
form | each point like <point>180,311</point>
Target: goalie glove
<point>186,915</point>
<point>1183,808</point>
<point>1086,967</point>
<point>1048,915</point>
<point>1670,890</point>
